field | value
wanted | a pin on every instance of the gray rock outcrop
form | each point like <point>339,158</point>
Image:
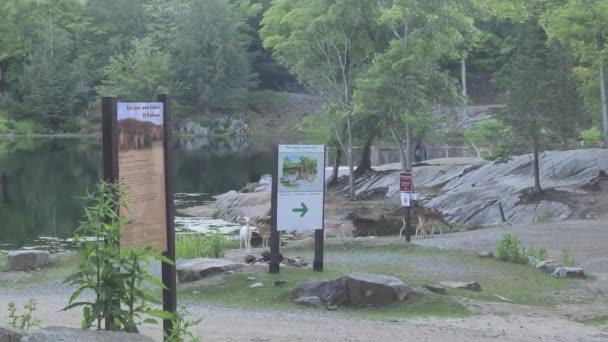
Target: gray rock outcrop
<point>329,292</point>
<point>62,334</point>
<point>197,269</point>
<point>7,335</point>
<point>353,290</point>
<point>467,191</point>
<point>470,286</point>
<point>374,289</point>
<point>27,260</point>
<point>548,266</point>
<point>569,272</point>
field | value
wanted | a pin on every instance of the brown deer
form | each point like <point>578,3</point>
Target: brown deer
<point>430,217</point>
<point>264,231</point>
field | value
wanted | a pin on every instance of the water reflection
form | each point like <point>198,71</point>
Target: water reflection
<point>46,179</point>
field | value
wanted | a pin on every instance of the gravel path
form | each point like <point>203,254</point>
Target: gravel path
<point>221,324</point>
<point>585,239</point>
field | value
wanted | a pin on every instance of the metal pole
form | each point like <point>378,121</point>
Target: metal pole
<point>317,264</point>
<point>275,242</point>
<point>168,270</point>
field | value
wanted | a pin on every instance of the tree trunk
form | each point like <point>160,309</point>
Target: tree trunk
<point>537,188</point>
<point>4,186</point>
<point>475,148</point>
<point>365,163</point>
<point>349,159</point>
<point>336,169</point>
<point>603,100</point>
<point>465,94</point>
<point>408,148</point>
<point>402,157</point>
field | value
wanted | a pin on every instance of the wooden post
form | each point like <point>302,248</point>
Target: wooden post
<point>110,160</point>
<point>275,242</point>
<point>168,270</point>
<point>110,138</point>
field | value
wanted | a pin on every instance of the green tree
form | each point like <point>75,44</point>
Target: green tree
<point>407,74</point>
<point>541,98</point>
<point>210,56</point>
<point>583,25</point>
<point>324,44</point>
<point>139,74</point>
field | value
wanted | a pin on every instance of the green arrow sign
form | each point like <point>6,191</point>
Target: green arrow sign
<point>302,210</point>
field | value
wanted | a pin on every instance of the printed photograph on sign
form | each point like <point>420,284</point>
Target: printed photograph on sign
<point>139,128</point>
<point>301,172</point>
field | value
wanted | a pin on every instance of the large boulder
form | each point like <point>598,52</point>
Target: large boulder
<point>7,335</point>
<point>470,286</point>
<point>569,272</point>
<point>197,269</point>
<point>27,260</point>
<point>62,334</point>
<point>353,290</point>
<point>548,266</point>
<point>374,289</point>
<point>329,292</point>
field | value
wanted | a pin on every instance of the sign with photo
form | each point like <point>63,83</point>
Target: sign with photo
<point>301,187</point>
<point>141,168</point>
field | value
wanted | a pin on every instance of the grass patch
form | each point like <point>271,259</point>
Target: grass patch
<point>429,306</point>
<point>212,245</point>
<point>236,292</point>
<point>519,283</point>
<point>60,268</point>
<point>594,320</point>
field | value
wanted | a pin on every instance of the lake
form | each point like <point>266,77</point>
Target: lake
<point>46,180</point>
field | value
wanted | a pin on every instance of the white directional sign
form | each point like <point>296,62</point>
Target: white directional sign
<point>301,187</point>
<point>405,199</point>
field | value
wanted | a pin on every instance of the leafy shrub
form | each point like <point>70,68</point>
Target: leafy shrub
<point>118,278</point>
<point>511,249</point>
<point>592,134</point>
<point>181,329</point>
<point>540,254</point>
<point>567,258</point>
<point>492,133</point>
<point>249,187</point>
<point>212,245</point>
<point>26,127</point>
<point>25,321</point>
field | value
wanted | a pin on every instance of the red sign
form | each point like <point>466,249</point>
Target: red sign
<point>405,182</point>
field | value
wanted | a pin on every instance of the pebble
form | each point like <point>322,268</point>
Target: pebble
<point>256,286</point>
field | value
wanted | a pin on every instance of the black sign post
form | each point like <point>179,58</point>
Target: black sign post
<point>111,175</point>
<point>275,240</point>
<point>406,184</point>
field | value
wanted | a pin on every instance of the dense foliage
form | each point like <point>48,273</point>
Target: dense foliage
<point>384,69</point>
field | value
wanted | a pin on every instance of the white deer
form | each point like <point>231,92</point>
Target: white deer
<point>245,236</point>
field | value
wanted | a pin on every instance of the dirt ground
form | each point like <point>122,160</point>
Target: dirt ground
<point>493,321</point>
<point>222,324</point>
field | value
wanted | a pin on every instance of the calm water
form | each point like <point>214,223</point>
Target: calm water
<point>47,178</point>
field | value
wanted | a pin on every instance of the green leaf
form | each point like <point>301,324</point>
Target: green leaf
<point>73,305</point>
<point>76,294</point>
<point>162,314</point>
<point>150,321</point>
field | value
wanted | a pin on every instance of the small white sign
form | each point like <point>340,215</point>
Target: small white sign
<point>405,199</point>
<point>301,187</point>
